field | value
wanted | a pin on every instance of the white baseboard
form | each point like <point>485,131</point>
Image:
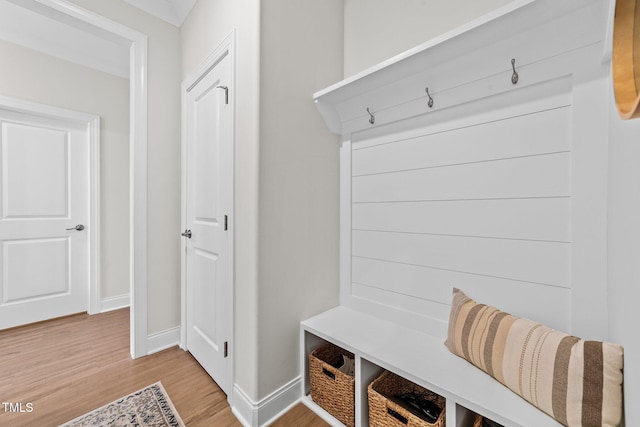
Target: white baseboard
<point>267,410</point>
<point>242,407</point>
<point>114,303</point>
<point>163,340</point>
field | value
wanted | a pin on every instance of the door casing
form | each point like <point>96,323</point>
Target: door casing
<point>225,48</point>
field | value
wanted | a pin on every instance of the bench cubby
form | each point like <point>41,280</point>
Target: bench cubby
<point>379,344</point>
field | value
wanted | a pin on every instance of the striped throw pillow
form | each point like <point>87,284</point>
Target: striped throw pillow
<point>577,382</point>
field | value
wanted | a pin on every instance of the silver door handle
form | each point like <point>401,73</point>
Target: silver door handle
<point>78,227</point>
<point>226,93</point>
<point>187,233</point>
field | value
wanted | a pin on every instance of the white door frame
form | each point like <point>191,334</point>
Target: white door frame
<point>137,43</point>
<point>226,47</point>
<point>92,123</point>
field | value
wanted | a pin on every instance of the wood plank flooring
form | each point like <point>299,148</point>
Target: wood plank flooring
<point>69,366</point>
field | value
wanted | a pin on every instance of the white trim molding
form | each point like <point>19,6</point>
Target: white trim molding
<point>138,196</point>
<point>267,410</point>
<point>137,43</point>
<point>94,213</point>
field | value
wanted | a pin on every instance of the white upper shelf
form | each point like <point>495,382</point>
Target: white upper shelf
<point>528,30</point>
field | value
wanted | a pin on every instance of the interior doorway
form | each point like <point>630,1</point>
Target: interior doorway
<point>207,214</point>
<point>134,45</point>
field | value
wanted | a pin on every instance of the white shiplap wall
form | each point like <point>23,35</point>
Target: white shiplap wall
<point>481,202</point>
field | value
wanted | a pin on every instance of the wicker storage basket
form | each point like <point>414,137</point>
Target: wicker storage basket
<point>383,412</point>
<point>478,421</point>
<point>332,389</point>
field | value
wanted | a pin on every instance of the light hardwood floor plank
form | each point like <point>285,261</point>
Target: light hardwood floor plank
<point>69,366</point>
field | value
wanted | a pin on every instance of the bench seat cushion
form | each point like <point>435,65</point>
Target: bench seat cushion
<point>577,382</point>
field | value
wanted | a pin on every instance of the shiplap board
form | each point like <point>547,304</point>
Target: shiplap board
<point>531,134</point>
<point>532,176</point>
<point>408,302</point>
<point>519,298</point>
<point>411,303</point>
<point>529,219</point>
<point>546,263</point>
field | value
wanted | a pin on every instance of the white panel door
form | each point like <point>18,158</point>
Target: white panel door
<point>209,189</point>
<point>44,259</point>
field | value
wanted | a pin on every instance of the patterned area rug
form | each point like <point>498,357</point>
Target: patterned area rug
<point>149,407</point>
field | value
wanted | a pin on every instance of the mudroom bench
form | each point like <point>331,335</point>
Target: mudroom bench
<point>379,344</point>
<point>474,161</point>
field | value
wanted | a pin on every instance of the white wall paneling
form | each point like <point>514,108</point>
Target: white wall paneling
<point>533,218</point>
<point>481,202</point>
<point>503,178</point>
<point>409,280</point>
<point>499,189</point>
<point>469,141</point>
<point>466,199</point>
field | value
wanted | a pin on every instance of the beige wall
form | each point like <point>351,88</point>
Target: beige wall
<point>376,30</point>
<point>301,53</point>
<point>30,75</point>
<point>209,22</point>
<point>163,158</point>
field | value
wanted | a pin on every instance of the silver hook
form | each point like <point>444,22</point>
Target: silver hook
<point>372,119</point>
<point>430,103</point>
<point>514,76</point>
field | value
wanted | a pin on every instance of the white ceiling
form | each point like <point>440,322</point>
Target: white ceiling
<point>172,11</point>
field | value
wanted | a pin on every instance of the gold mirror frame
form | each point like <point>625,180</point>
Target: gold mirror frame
<point>626,58</point>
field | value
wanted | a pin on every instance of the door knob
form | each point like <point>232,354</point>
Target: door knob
<point>187,233</point>
<point>78,227</point>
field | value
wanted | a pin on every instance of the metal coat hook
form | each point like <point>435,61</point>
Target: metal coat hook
<point>372,119</point>
<point>514,76</point>
<point>430,103</point>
